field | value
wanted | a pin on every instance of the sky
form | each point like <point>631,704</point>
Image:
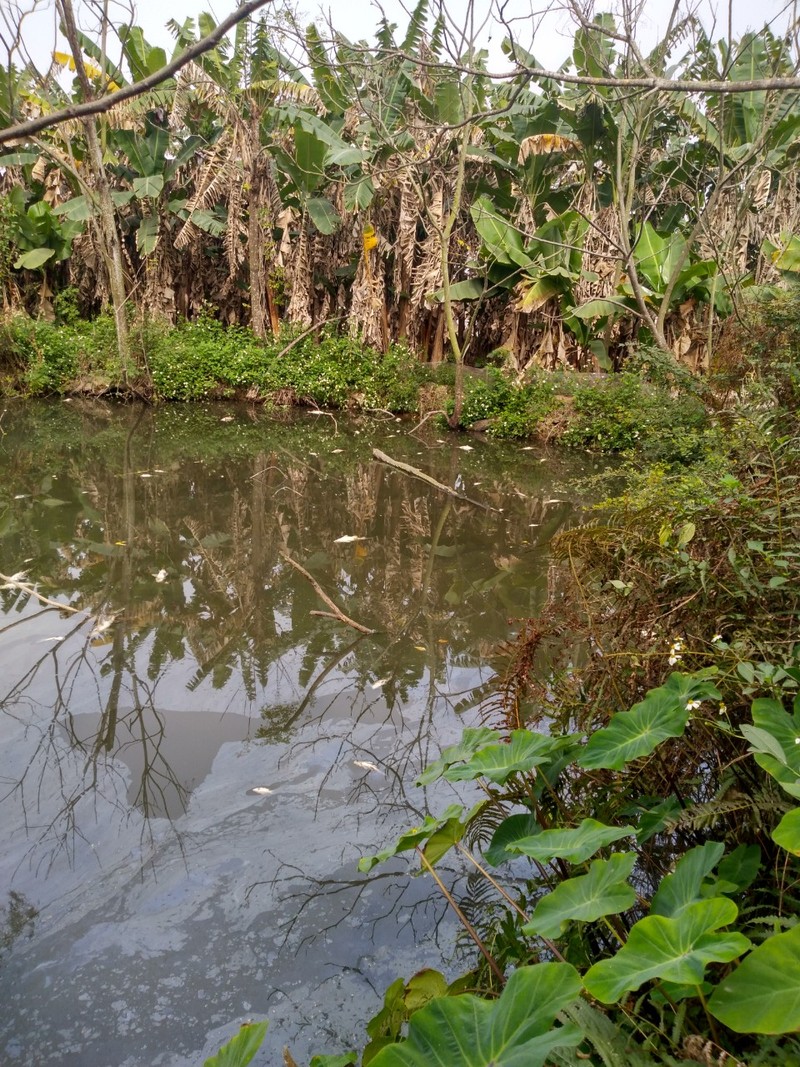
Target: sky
<point>545,29</point>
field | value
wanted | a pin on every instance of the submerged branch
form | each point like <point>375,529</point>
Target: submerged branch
<point>415,472</point>
<point>335,612</point>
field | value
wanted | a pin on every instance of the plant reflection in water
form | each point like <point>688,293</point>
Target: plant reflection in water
<point>187,786</point>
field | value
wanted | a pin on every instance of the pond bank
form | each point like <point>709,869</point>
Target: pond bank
<point>203,360</point>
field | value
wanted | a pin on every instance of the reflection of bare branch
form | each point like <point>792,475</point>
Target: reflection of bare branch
<point>9,582</point>
<point>336,613</point>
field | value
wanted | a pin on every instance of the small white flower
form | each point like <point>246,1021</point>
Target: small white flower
<point>692,704</point>
<point>715,638</point>
<point>723,708</point>
<point>673,660</point>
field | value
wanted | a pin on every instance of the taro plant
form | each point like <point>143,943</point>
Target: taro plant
<point>628,904</point>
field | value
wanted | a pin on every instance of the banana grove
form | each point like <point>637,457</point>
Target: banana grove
<point>292,176</point>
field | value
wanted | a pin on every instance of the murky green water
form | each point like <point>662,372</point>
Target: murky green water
<point>192,764</point>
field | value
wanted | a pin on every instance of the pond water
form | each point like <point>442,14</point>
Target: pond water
<point>193,761</point>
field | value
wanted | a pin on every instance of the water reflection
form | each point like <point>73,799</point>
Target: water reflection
<point>191,764</point>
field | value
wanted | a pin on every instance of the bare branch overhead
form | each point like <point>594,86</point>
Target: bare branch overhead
<point>105,103</point>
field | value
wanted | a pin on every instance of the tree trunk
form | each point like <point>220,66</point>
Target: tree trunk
<point>255,237</point>
<point>110,243</point>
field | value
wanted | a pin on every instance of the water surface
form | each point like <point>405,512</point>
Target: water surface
<point>192,762</point>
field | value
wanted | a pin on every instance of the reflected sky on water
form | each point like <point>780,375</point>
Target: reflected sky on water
<point>193,760</point>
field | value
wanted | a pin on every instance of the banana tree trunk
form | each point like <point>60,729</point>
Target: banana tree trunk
<point>256,249</point>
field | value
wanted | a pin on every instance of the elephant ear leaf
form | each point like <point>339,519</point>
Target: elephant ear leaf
<point>663,713</point>
<point>603,891</point>
<point>517,1030</point>
<point>240,1049</point>
<point>671,949</point>
<point>751,1000</point>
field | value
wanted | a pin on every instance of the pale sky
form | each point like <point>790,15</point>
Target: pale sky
<point>543,28</point>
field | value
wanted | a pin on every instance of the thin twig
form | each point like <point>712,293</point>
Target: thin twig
<point>473,933</point>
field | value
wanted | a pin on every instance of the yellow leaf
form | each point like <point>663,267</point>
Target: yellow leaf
<point>369,238</point>
<point>541,144</point>
<point>420,648</point>
<point>65,60</point>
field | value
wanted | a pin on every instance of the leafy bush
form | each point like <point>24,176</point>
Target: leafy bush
<point>514,410</point>
<point>622,413</point>
<point>760,348</point>
<point>46,352</point>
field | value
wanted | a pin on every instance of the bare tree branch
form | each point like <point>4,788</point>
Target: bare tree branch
<point>105,103</point>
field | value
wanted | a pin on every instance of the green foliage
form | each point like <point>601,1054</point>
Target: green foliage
<point>624,413</point>
<point>603,891</point>
<point>663,713</point>
<point>675,950</point>
<point>575,844</point>
<point>689,775</point>
<point>240,1050</point>
<point>513,410</point>
<point>760,350</point>
<point>204,358</point>
<point>751,1001</point>
<point>515,1031</point>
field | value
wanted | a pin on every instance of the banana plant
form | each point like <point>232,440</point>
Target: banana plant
<point>40,236</point>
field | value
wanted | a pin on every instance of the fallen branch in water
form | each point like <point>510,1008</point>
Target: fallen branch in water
<point>334,613</point>
<point>406,468</point>
<point>10,582</point>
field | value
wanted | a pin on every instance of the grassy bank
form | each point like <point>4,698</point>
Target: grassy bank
<point>654,407</point>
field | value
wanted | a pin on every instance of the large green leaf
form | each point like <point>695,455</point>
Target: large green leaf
<point>773,741</point>
<point>359,195</point>
<point>35,258</point>
<point>515,828</point>
<point>472,741</point>
<point>515,1031</point>
<point>603,891</point>
<point>498,762</point>
<point>150,185</point>
<point>469,289</point>
<point>241,1048</point>
<point>663,713</point>
<point>684,886</point>
<point>784,256</point>
<point>674,949</point>
<point>438,834</point>
<point>575,845</point>
<point>787,832</point>
<point>147,235</point>
<point>502,240</point>
<point>323,214</point>
<point>309,158</point>
<point>762,996</point>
